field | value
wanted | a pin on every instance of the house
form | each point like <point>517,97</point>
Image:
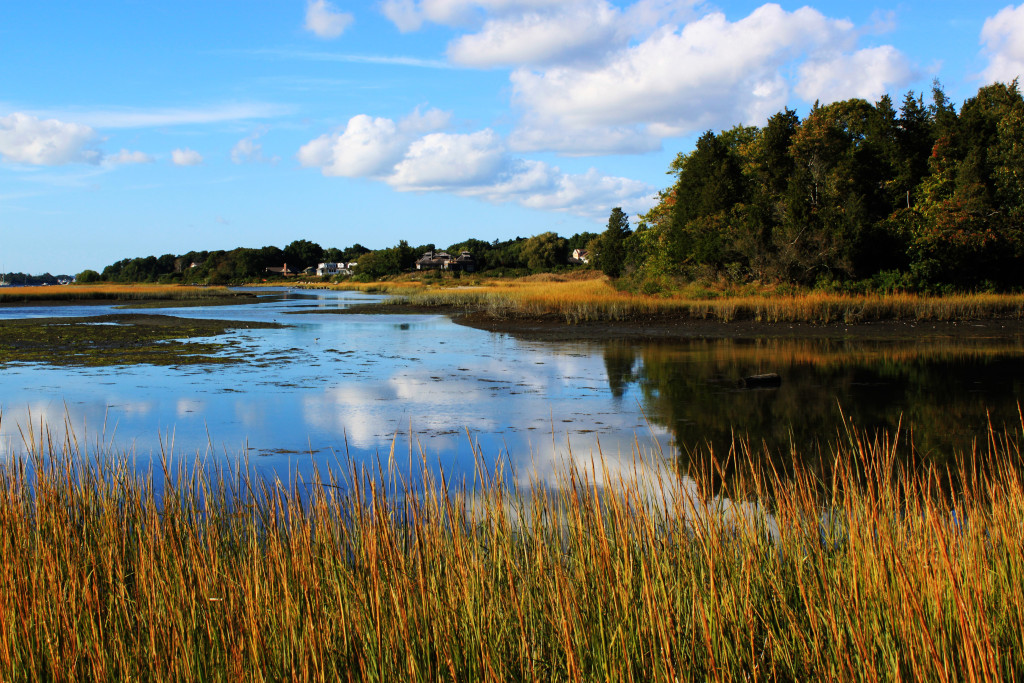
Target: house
<point>442,260</point>
<point>340,268</point>
<point>579,256</point>
<point>283,270</point>
<point>434,260</point>
<point>465,261</point>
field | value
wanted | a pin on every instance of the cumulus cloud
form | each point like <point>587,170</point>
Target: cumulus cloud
<point>444,161</point>
<point>186,157</point>
<point>405,155</point>
<point>572,30</point>
<point>866,73</point>
<point>537,32</point>
<point>369,147</point>
<point>128,157</point>
<point>709,73</point>
<point>324,20</point>
<point>46,142</point>
<point>249,151</point>
<point>1002,38</point>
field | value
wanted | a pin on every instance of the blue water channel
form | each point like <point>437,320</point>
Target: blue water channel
<point>330,390</point>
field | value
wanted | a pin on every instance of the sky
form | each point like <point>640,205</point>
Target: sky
<point>143,127</point>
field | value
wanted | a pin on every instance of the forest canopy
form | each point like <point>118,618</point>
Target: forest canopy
<point>919,197</point>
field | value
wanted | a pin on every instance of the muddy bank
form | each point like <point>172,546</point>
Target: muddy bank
<point>666,327</point>
<point>119,339</point>
<point>681,327</point>
<point>234,300</point>
<point>230,299</point>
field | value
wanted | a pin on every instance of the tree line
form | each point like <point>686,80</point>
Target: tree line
<point>855,195</point>
<point>519,256</point>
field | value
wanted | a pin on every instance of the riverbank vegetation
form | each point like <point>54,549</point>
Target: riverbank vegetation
<point>593,298</point>
<point>866,568</point>
<point>856,197</point>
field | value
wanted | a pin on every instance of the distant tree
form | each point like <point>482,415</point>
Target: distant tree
<point>580,240</point>
<point>544,251</point>
<point>353,253</point>
<point>384,262</point>
<point>302,254</point>
<point>270,257</point>
<point>87,276</point>
<point>480,250</point>
<point>613,243</point>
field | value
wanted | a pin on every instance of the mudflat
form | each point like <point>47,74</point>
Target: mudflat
<point>118,339</point>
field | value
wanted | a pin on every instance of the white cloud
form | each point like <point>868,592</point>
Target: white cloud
<point>1003,39</point>
<point>128,117</point>
<point>709,73</point>
<point>186,157</point>
<point>593,77</point>
<point>575,29</point>
<point>868,74</point>
<point>410,158</point>
<point>249,151</point>
<point>369,147</point>
<point>443,161</point>
<point>45,142</point>
<point>410,15</point>
<point>128,157</point>
<point>537,32</point>
<point>324,19</point>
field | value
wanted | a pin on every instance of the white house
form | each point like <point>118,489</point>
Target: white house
<point>335,268</point>
<point>579,256</point>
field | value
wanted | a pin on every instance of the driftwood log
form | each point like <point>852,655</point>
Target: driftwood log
<point>765,381</point>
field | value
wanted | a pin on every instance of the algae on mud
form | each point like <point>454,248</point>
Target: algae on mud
<point>124,339</point>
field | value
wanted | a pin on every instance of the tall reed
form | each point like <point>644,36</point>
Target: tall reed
<point>612,569</point>
<point>576,300</point>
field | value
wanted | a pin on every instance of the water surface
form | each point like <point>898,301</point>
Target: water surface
<point>333,387</point>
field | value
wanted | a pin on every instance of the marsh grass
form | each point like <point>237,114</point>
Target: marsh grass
<point>616,570</point>
<point>109,292</point>
<point>594,299</point>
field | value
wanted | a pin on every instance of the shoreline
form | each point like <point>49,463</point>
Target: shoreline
<point>645,327</point>
<point>666,327</point>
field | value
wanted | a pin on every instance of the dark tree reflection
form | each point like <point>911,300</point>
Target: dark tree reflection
<point>937,394</point>
<point>619,360</point>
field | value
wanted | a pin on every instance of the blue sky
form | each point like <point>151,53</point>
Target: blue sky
<point>138,127</point>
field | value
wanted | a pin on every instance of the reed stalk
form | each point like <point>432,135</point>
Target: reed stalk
<point>575,300</point>
<point>611,569</point>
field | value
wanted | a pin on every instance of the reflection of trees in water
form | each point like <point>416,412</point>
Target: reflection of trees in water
<point>619,359</point>
<point>940,391</point>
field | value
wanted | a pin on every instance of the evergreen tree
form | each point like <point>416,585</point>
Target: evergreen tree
<point>710,183</point>
<point>612,254</point>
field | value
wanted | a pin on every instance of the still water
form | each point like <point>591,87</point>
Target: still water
<point>333,387</point>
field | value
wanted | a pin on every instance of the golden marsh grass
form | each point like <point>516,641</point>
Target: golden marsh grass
<point>383,574</point>
<point>575,300</point>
